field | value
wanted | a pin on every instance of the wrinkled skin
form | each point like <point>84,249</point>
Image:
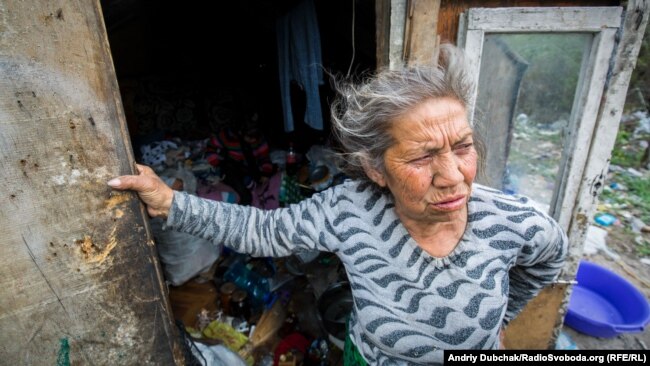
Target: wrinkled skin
<point>155,194</point>
<point>430,170</point>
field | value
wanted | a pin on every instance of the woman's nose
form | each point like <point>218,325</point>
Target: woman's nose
<point>447,173</point>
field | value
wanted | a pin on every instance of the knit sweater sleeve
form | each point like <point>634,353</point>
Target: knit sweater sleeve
<point>275,233</point>
<point>538,264</point>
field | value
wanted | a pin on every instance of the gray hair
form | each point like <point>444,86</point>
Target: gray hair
<point>363,113</point>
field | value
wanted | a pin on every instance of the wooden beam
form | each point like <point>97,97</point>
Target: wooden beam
<point>79,277</point>
<point>450,10</point>
<point>421,34</point>
<point>398,9</point>
<point>382,32</point>
<point>542,19</point>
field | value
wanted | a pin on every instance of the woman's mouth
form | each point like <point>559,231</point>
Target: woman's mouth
<point>451,203</point>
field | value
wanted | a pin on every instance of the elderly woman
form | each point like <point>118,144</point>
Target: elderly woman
<point>435,261</point>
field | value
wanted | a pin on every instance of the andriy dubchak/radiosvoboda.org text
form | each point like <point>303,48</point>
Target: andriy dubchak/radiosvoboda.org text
<point>525,357</point>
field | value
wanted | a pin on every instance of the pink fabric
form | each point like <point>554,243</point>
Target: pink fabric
<point>267,195</point>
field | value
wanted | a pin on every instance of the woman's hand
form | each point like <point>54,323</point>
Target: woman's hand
<point>151,189</point>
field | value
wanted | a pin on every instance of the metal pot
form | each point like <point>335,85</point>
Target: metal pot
<point>334,307</point>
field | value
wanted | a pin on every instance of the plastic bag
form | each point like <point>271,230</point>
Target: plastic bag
<point>183,256</point>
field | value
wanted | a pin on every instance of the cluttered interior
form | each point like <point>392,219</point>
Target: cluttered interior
<point>229,101</point>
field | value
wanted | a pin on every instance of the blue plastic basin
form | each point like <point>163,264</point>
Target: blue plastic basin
<point>604,304</point>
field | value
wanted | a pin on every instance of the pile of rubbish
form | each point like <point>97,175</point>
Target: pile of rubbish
<point>255,321</point>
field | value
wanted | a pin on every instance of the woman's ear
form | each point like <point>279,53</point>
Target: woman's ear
<point>374,174</point>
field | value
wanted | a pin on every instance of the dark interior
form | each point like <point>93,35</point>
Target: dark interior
<point>198,54</point>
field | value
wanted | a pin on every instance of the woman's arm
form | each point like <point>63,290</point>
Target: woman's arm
<point>246,229</point>
<point>251,230</point>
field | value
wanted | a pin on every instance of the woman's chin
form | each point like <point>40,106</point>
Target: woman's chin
<point>439,216</point>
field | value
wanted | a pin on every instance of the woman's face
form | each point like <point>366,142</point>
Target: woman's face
<point>431,166</point>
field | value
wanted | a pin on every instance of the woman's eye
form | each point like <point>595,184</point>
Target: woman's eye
<point>464,147</point>
<point>421,160</point>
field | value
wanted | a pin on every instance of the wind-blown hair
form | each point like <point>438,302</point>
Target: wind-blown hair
<point>363,113</point>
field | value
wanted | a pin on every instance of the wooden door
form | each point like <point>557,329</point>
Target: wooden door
<point>79,277</point>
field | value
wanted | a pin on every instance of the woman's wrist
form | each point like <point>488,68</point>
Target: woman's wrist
<point>167,203</point>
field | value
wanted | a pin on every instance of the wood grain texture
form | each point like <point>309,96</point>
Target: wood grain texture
<point>420,46</point>
<point>398,14</point>
<point>78,267</point>
<point>450,10</point>
<point>547,19</point>
<point>382,32</point>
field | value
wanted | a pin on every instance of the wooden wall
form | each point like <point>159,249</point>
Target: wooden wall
<point>79,278</point>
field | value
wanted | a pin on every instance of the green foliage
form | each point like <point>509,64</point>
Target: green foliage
<point>636,200</point>
<point>640,81</point>
<point>624,154</point>
<point>643,249</point>
<point>641,189</point>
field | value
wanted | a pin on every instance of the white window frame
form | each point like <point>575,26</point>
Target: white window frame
<point>603,23</point>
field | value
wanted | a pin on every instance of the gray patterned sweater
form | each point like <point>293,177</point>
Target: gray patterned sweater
<point>408,305</point>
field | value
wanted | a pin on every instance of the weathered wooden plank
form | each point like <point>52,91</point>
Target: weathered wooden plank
<point>450,10</point>
<point>548,19</point>
<point>397,23</point>
<point>462,26</point>
<point>79,278</point>
<point>421,42</point>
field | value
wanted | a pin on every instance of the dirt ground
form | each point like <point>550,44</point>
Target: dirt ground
<point>630,267</point>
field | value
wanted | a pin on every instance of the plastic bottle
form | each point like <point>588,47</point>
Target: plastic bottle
<point>292,161</point>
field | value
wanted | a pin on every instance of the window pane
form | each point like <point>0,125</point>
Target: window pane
<point>526,91</point>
